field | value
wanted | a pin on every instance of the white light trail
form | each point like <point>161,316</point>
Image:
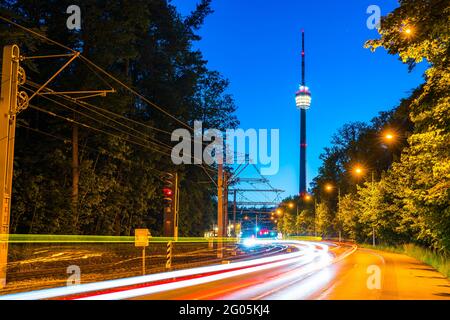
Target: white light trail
<point>307,252</point>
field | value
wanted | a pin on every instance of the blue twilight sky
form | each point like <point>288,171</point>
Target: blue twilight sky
<point>257,45</point>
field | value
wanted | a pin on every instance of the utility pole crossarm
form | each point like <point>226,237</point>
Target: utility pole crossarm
<point>74,56</point>
<point>83,94</point>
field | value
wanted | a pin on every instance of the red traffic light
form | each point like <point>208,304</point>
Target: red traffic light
<point>167,192</point>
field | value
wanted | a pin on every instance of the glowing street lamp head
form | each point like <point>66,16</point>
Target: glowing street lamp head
<point>407,28</point>
<point>291,205</point>
<point>358,171</point>
<point>303,98</point>
<point>329,187</point>
<point>389,137</point>
<point>307,197</point>
<point>409,31</point>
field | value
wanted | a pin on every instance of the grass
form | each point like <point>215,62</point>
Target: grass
<point>437,261</point>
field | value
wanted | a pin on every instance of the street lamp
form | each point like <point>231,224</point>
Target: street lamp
<point>291,205</point>
<point>307,197</point>
<point>389,137</point>
<point>358,170</point>
<point>329,187</point>
<point>407,29</point>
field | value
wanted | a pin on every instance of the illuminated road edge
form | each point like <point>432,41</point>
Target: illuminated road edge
<point>145,285</point>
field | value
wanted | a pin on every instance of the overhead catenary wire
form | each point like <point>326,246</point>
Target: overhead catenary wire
<point>90,106</point>
<point>167,147</point>
<point>95,129</point>
<point>68,140</point>
<point>155,142</point>
<point>110,134</point>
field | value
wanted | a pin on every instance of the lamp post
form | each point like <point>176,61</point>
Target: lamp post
<point>329,188</point>
<point>291,205</point>
<point>359,171</point>
<point>307,198</point>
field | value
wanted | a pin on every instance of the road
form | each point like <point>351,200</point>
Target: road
<point>310,271</point>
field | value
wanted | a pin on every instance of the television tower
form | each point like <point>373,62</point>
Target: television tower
<point>303,102</point>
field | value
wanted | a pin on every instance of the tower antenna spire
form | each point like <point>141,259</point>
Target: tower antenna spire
<point>303,59</point>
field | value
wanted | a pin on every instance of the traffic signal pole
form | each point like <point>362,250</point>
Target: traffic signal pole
<point>171,192</point>
<point>8,111</point>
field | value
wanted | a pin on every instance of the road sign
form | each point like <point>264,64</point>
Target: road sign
<point>141,237</point>
<point>141,240</point>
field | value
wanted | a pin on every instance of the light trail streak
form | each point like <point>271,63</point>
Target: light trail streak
<point>306,253</point>
<point>305,256</point>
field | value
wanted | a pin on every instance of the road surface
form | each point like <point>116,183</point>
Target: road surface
<point>402,277</point>
<point>310,271</point>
